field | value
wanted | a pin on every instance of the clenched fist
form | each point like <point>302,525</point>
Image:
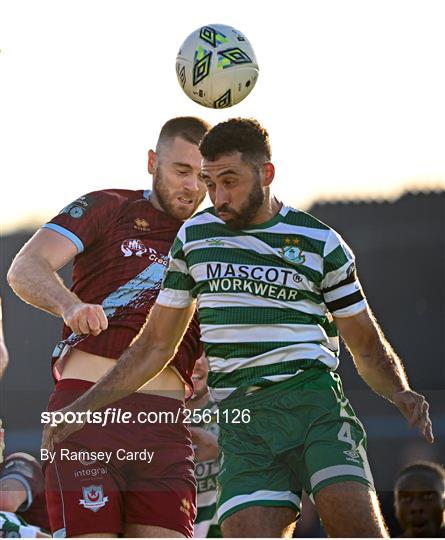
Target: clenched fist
<point>86,319</point>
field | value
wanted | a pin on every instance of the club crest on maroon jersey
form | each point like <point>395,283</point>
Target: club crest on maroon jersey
<point>133,247</point>
<point>93,498</point>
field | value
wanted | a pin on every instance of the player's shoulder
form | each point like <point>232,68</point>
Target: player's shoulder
<point>207,213</point>
<point>318,234</point>
<point>117,196</point>
<point>204,217</point>
<point>300,218</point>
<point>104,201</point>
<point>197,227</point>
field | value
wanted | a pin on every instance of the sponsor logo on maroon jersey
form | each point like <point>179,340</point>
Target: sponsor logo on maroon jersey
<point>93,498</point>
<point>78,208</point>
<point>98,472</point>
<point>141,224</point>
<point>133,247</point>
<point>185,507</point>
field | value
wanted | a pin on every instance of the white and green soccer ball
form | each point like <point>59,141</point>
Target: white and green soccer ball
<point>216,66</point>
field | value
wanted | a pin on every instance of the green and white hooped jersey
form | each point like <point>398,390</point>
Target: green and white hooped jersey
<point>13,526</point>
<point>206,473</point>
<point>265,295</point>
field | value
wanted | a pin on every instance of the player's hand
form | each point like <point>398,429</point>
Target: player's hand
<point>56,434</point>
<point>206,444</point>
<point>415,409</point>
<point>86,318</point>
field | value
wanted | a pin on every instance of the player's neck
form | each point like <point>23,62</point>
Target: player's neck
<point>269,209</point>
<point>155,201</point>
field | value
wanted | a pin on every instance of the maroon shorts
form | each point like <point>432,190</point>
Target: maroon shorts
<point>144,476</point>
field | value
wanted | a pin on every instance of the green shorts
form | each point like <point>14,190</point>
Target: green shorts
<point>302,434</point>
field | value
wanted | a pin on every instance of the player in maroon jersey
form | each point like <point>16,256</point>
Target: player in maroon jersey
<point>119,240</point>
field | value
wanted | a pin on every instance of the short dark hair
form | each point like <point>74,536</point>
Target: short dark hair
<point>190,128</point>
<point>244,135</point>
<point>423,466</point>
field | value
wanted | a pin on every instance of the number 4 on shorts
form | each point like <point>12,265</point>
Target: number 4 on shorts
<point>345,435</point>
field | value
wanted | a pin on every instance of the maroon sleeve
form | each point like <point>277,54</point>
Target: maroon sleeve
<point>84,220</point>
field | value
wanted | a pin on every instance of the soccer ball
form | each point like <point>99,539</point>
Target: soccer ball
<point>216,66</point>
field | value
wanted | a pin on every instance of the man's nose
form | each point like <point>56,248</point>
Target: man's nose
<point>221,197</point>
<point>192,182</point>
<point>417,505</point>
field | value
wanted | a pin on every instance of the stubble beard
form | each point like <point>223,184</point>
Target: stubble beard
<point>164,197</point>
<point>248,211</point>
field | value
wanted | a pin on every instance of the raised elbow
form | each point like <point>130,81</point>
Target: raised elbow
<point>14,273</point>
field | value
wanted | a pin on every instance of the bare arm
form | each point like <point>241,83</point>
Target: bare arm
<point>149,354</point>
<point>33,277</point>
<point>206,444</point>
<point>382,370</point>
<point>12,494</point>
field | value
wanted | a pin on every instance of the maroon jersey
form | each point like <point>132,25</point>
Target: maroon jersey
<point>123,244</point>
<point>27,470</point>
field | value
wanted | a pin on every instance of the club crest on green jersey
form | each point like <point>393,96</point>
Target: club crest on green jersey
<point>291,252</point>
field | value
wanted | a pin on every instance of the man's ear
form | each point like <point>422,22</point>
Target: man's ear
<point>268,171</point>
<point>152,161</point>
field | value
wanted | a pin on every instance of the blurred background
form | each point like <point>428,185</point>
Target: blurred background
<point>352,94</point>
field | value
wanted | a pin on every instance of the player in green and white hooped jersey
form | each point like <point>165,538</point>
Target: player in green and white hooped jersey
<point>274,287</point>
<point>204,430</point>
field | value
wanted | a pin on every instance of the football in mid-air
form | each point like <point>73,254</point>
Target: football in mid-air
<point>216,66</point>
